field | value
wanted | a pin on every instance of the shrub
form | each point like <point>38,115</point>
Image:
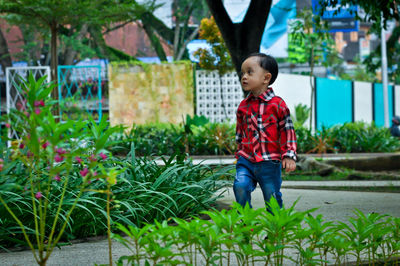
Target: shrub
<point>219,139</point>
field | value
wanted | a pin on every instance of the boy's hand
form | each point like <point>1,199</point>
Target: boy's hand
<point>288,164</point>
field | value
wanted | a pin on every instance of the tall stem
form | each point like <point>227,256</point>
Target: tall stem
<point>34,211</point>
<point>53,228</point>
<point>312,86</point>
<point>109,226</point>
<point>65,223</point>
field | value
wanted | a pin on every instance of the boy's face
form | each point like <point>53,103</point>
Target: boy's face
<point>254,78</point>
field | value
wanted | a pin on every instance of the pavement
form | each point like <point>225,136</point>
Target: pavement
<point>333,205</point>
<point>226,160</point>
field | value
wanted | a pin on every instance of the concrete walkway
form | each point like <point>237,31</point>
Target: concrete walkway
<point>333,205</point>
<point>226,160</point>
<point>343,184</point>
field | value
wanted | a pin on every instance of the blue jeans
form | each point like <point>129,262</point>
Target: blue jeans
<point>248,174</point>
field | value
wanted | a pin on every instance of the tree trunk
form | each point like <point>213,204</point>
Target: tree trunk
<point>54,60</point>
<point>241,38</point>
<point>5,57</point>
<point>54,66</point>
<point>182,49</point>
<point>155,41</point>
<point>70,53</point>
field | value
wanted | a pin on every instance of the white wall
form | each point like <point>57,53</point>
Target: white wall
<point>294,89</point>
<point>397,100</point>
<point>363,101</point>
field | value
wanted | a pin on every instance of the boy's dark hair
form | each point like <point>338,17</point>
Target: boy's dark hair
<point>268,63</point>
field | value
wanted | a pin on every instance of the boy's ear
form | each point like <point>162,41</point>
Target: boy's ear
<point>267,77</point>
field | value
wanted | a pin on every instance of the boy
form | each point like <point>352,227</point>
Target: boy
<point>264,133</point>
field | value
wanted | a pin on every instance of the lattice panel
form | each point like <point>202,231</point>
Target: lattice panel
<point>79,91</point>
<point>211,92</point>
<point>15,76</point>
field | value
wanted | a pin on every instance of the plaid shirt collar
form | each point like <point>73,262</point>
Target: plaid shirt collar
<point>265,96</point>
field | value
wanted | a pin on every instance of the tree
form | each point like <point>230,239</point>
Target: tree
<point>218,58</point>
<point>373,10</point>
<point>311,34</point>
<point>63,14</point>
<point>241,38</point>
<point>373,60</point>
<point>179,36</point>
<point>5,58</point>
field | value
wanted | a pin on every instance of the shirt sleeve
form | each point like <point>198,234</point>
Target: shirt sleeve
<point>239,133</point>
<point>288,139</point>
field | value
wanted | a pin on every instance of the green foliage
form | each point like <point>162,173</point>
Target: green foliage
<point>317,46</point>
<point>165,139</point>
<point>219,139</point>
<point>218,58</point>
<point>53,17</point>
<point>309,40</point>
<point>362,137</point>
<point>301,114</point>
<point>39,167</point>
<point>145,191</point>
<point>256,235</point>
<point>371,11</point>
<point>347,138</point>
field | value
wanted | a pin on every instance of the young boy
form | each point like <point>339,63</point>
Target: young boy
<point>264,133</point>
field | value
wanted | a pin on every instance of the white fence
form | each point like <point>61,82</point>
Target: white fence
<point>14,77</point>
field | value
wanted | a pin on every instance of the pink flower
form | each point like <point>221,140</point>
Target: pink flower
<point>38,195</point>
<point>45,145</point>
<point>94,173</point>
<point>92,158</point>
<point>27,114</point>
<point>102,156</point>
<point>8,125</point>
<point>57,178</point>
<point>84,172</point>
<point>78,159</point>
<point>29,154</point>
<point>21,146</point>
<point>39,103</point>
<point>61,151</point>
<point>37,111</point>
<point>58,158</point>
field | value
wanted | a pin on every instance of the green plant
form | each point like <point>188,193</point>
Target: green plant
<point>47,155</point>
<point>301,114</point>
<point>263,236</point>
<point>322,142</point>
<point>174,189</point>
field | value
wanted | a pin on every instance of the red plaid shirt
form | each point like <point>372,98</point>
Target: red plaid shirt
<point>264,129</point>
